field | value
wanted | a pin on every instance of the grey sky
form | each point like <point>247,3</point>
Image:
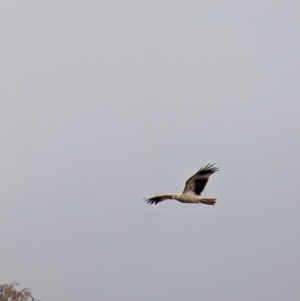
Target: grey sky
<point>106,102</point>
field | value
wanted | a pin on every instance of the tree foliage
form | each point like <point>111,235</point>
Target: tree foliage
<point>10,293</point>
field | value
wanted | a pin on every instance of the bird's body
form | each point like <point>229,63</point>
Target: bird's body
<point>193,198</point>
<point>193,188</point>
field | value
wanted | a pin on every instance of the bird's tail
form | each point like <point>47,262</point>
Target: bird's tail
<point>208,201</point>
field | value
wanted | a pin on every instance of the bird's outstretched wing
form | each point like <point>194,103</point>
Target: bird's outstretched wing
<point>159,198</point>
<point>197,182</point>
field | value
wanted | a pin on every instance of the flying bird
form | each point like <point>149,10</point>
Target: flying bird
<point>192,190</point>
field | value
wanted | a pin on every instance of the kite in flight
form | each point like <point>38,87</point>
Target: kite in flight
<point>193,188</point>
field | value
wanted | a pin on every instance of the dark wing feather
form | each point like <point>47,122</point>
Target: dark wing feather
<point>200,185</point>
<point>197,182</point>
<point>159,198</point>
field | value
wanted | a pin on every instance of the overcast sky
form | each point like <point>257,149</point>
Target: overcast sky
<point>106,102</point>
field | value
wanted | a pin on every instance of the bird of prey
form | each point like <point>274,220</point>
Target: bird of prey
<point>193,188</point>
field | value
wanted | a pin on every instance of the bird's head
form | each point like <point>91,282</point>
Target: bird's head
<point>175,196</point>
